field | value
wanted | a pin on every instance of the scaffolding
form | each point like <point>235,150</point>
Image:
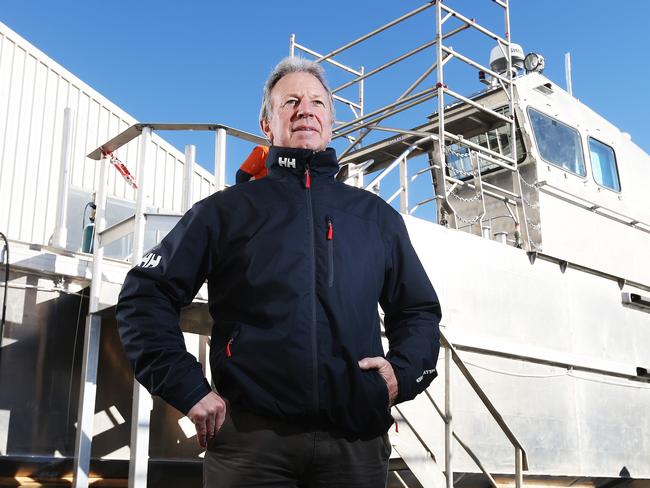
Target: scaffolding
<point>438,138</point>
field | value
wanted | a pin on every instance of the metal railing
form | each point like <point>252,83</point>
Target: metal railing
<point>481,188</point>
<point>104,235</point>
<point>402,163</point>
<point>367,121</point>
<point>521,459</point>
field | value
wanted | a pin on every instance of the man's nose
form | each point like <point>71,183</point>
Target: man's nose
<point>305,109</point>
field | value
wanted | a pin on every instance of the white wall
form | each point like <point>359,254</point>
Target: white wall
<point>34,91</point>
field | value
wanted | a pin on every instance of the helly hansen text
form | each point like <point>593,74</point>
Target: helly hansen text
<point>287,162</point>
<point>424,373</point>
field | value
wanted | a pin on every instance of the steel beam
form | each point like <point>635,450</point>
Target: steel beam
<point>140,412</point>
<point>220,159</point>
<point>92,334</point>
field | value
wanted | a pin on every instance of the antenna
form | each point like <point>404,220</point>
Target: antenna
<point>567,71</point>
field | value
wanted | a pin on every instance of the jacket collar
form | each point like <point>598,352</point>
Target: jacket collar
<point>296,160</point>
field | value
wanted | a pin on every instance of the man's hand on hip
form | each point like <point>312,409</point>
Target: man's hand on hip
<point>208,415</point>
<point>385,369</point>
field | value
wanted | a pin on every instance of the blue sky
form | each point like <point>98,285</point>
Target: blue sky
<point>205,61</point>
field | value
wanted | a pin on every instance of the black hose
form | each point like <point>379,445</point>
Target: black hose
<point>83,218</point>
<point>4,299</point>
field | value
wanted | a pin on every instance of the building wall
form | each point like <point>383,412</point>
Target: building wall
<point>34,92</point>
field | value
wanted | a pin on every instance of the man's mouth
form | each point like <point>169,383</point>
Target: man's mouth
<point>304,129</point>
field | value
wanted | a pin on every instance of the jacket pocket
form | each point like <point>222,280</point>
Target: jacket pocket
<point>330,251</point>
<point>383,387</point>
<point>219,357</point>
<point>372,413</point>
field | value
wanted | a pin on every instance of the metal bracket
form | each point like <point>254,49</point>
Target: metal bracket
<point>634,300</point>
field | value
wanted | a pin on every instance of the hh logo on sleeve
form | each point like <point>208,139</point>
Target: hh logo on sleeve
<point>151,260</point>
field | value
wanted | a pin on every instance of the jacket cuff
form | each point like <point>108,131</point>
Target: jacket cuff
<point>185,404</point>
<point>402,389</point>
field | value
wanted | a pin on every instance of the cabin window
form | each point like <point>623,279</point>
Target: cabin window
<point>603,165</point>
<point>496,139</point>
<point>558,143</point>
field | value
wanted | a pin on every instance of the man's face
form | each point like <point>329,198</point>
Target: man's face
<point>300,115</point>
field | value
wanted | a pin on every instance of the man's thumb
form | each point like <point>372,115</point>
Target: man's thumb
<point>368,363</point>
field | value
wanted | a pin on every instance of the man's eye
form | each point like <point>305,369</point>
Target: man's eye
<point>319,102</point>
<point>291,101</point>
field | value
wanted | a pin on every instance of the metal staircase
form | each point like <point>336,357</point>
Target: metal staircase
<point>418,414</point>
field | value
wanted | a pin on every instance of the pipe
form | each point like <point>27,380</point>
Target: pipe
<point>188,177</point>
<point>60,236</point>
<point>4,299</point>
<point>220,159</point>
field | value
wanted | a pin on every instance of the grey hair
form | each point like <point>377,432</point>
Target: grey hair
<point>293,65</point>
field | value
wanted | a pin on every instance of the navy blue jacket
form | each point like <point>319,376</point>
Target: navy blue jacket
<point>296,264</point>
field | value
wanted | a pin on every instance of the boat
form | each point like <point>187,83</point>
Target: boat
<point>528,211</point>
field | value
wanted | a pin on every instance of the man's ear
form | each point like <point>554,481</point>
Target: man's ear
<point>266,129</point>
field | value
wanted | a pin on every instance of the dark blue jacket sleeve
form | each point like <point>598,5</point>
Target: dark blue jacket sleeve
<point>242,176</point>
<point>148,311</point>
<point>412,314</point>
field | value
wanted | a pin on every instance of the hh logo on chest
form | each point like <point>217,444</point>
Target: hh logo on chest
<point>287,162</point>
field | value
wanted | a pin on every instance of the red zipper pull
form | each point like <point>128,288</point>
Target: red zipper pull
<point>228,351</point>
<point>307,178</point>
<point>330,229</point>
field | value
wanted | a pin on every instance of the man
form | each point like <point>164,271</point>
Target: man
<point>296,264</point>
<point>254,167</point>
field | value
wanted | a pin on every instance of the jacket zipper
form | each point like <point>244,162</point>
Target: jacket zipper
<point>230,342</point>
<point>307,178</point>
<point>330,252</point>
<point>314,338</point>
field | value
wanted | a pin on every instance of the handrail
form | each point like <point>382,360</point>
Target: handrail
<point>358,169</point>
<point>422,202</point>
<point>521,459</point>
<point>135,130</point>
<point>397,161</point>
<point>484,398</point>
<point>585,204</point>
<point>103,235</point>
<point>467,449</point>
<point>415,433</point>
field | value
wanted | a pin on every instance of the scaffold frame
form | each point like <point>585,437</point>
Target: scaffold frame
<point>367,121</point>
